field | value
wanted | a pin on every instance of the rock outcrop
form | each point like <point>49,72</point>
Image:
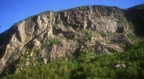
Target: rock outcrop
<point>52,35</point>
<point>136,16</point>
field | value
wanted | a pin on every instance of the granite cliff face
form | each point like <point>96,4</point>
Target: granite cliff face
<point>53,35</point>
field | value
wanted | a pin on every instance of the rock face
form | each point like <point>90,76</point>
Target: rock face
<point>136,16</point>
<point>52,35</point>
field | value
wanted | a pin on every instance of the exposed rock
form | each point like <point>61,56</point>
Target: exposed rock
<point>120,66</point>
<point>49,36</point>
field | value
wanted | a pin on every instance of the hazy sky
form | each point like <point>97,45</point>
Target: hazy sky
<point>12,11</point>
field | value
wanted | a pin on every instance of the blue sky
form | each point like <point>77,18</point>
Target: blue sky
<point>12,11</point>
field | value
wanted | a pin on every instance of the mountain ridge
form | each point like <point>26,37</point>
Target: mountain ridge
<point>52,35</point>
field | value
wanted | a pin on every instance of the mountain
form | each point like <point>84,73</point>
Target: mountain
<point>135,15</point>
<point>53,35</point>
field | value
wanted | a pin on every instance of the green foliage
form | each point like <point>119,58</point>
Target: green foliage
<point>89,65</point>
<point>54,41</point>
<point>134,38</point>
<point>86,34</point>
<point>86,55</point>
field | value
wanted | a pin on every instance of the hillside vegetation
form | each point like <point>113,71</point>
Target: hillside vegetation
<point>89,66</point>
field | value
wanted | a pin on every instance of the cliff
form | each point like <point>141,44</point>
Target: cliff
<point>52,35</point>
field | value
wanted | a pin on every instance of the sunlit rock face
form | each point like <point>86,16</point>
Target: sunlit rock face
<point>52,35</point>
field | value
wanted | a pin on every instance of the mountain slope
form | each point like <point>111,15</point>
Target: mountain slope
<point>135,14</point>
<point>53,35</point>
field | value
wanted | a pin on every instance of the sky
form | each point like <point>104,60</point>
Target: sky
<point>13,11</point>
